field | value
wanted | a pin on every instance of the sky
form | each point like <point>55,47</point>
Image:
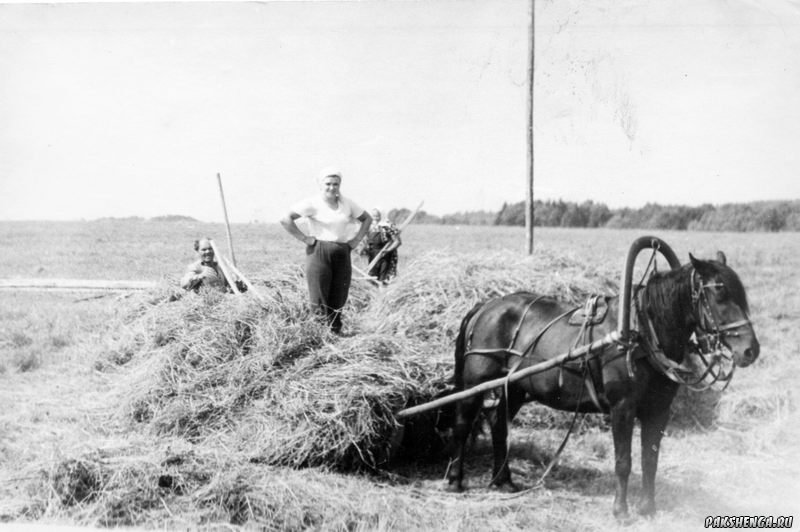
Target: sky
<point>131,109</point>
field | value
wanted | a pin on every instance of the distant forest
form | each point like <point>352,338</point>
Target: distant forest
<point>767,216</point>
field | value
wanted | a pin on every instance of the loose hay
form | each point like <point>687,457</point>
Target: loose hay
<point>271,380</point>
<point>337,407</point>
<point>430,300</point>
<point>76,481</point>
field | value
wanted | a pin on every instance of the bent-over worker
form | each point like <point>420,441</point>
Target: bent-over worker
<point>383,240</point>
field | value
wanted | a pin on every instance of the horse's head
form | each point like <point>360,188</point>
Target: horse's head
<point>721,310</point>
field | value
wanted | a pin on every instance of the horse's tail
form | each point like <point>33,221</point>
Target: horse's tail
<point>461,347</point>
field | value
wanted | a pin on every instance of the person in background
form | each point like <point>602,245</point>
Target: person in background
<point>383,239</point>
<point>206,271</point>
<point>328,243</point>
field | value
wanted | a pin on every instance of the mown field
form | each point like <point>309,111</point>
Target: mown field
<point>73,367</point>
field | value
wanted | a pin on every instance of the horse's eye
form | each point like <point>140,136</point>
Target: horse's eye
<point>722,293</point>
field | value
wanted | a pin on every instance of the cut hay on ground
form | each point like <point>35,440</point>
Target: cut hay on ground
<point>173,485</point>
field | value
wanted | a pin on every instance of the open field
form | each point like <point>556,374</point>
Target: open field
<point>61,406</point>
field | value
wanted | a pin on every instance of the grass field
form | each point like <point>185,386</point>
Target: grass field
<point>56,405</point>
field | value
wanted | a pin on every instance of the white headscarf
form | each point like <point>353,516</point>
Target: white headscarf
<point>329,171</point>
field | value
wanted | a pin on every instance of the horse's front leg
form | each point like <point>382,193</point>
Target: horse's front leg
<point>622,419</point>
<point>466,410</point>
<point>654,420</point>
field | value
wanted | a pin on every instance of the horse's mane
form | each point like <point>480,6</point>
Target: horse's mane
<point>667,297</point>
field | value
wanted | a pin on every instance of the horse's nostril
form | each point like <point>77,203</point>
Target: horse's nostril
<point>750,354</point>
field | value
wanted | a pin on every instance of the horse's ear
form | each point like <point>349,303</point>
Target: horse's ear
<point>697,263</point>
<point>721,258</point>
<point>702,267</point>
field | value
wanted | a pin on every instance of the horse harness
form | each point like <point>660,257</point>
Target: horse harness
<point>592,313</point>
<point>707,344</point>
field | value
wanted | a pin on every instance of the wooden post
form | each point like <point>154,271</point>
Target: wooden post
<point>529,188</point>
<point>227,224</point>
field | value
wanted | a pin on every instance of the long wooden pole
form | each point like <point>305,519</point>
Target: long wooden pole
<point>605,341</point>
<point>227,273</point>
<point>529,188</point>
<point>227,224</point>
<point>74,285</point>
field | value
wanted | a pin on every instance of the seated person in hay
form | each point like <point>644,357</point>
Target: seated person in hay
<point>206,271</point>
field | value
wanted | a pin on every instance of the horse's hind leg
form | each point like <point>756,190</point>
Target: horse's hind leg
<point>466,412</point>
<point>500,418</point>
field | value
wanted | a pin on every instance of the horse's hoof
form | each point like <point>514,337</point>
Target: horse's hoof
<point>647,508</point>
<point>505,487</point>
<point>454,487</point>
<point>621,514</point>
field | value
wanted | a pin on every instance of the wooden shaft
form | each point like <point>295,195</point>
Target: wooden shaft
<point>221,261</point>
<point>364,274</point>
<point>227,224</point>
<point>605,341</point>
<point>378,256</point>
<point>250,287</point>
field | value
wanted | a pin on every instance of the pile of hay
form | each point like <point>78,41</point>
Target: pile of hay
<point>436,291</point>
<point>267,379</point>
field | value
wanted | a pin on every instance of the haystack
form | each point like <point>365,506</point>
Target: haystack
<point>270,381</point>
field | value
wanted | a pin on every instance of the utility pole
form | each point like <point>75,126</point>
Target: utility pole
<point>529,188</point>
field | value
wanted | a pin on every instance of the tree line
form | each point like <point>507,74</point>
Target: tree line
<point>768,216</point>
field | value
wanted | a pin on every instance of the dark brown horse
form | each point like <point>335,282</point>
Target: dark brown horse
<point>632,379</point>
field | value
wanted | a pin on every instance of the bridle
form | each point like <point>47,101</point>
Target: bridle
<point>713,357</point>
<point>708,335</point>
<point>708,324</point>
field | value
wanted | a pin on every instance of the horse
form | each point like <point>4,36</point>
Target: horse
<point>699,304</point>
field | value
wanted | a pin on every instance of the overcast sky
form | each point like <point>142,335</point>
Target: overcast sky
<point>115,109</point>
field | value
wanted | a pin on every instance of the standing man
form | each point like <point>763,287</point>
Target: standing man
<point>328,244</point>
